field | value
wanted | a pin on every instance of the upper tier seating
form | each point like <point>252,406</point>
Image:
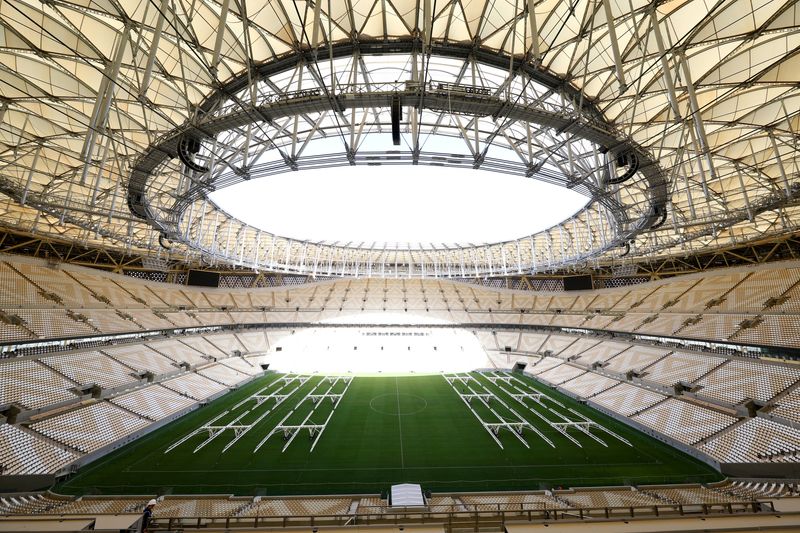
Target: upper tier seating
<point>752,294</point>
<point>53,281</point>
<point>16,291</point>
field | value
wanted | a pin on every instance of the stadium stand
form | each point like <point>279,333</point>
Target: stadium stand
<point>589,384</point>
<point>23,453</point>
<point>154,402</point>
<point>92,427</point>
<point>539,501</point>
<point>201,507</point>
<point>178,351</point>
<point>142,358</point>
<point>91,368</point>
<point>736,380</point>
<point>32,384</point>
<point>223,374</point>
<point>194,386</point>
<point>695,496</point>
<point>756,440</point>
<point>679,366</point>
<point>683,421</point>
<point>300,507</point>
<point>241,365</point>
<point>788,406</point>
<point>627,399</point>
<point>636,358</point>
<point>560,374</point>
<point>609,498</point>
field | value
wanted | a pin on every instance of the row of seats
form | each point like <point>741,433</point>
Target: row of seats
<point>194,386</point>
<point>26,324</point>
<point>223,374</point>
<point>684,421</point>
<point>741,290</point>
<point>724,437</point>
<point>55,441</point>
<point>154,402</point>
<point>722,380</point>
<point>756,440</point>
<point>53,379</point>
<point>92,427</point>
<point>220,506</point>
<point>23,453</point>
<point>709,306</point>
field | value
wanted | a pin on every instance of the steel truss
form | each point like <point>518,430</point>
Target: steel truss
<point>261,125</point>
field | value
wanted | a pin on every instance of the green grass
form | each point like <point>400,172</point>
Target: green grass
<point>366,447</point>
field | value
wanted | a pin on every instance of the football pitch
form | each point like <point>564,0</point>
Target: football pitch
<point>285,434</point>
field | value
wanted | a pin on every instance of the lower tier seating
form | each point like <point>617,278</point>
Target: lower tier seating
<point>23,453</point>
<point>90,428</point>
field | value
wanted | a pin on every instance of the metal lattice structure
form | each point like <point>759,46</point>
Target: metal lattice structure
<point>678,120</point>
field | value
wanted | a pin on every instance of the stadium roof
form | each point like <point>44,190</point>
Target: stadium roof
<point>678,119</point>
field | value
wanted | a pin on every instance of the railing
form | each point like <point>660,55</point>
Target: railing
<point>458,516</point>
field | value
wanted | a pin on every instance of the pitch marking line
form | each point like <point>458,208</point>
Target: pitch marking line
<point>399,422</point>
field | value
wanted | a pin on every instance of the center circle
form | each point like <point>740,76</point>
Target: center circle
<point>398,404</point>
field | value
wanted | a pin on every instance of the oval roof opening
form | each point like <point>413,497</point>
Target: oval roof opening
<point>399,206</point>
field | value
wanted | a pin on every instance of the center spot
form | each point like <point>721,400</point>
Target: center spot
<point>398,404</point>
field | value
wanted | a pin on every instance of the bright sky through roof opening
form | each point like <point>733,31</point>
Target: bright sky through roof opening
<point>399,205</point>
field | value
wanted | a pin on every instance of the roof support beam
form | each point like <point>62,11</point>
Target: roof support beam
<point>223,18</point>
<point>612,34</point>
<point>781,168</point>
<point>534,31</point>
<point>103,102</point>
<point>666,71</point>
<point>151,56</point>
<point>697,118</point>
